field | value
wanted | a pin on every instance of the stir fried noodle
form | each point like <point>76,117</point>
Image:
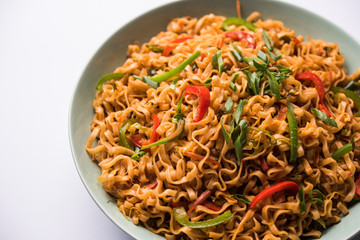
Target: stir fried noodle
<point>229,129</point>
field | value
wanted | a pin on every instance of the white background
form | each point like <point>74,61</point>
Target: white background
<point>44,47</point>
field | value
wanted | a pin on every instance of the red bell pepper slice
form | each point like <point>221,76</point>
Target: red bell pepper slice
<point>357,184</point>
<point>243,37</point>
<point>286,185</point>
<point>211,206</point>
<point>319,86</point>
<point>203,94</point>
<point>199,200</point>
<point>167,50</point>
<point>139,141</point>
<point>152,185</point>
<point>200,157</point>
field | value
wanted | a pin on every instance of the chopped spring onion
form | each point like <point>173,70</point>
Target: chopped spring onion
<point>178,69</point>
<point>238,22</point>
<point>108,77</point>
<point>293,132</point>
<point>241,198</point>
<point>175,135</point>
<point>172,85</point>
<point>302,201</point>
<point>229,105</point>
<point>217,61</point>
<point>240,140</point>
<point>239,109</point>
<point>342,151</point>
<point>124,127</point>
<point>324,117</point>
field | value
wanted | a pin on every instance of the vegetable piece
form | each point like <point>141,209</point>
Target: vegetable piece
<point>274,85</point>
<point>183,219</point>
<point>349,94</point>
<point>228,105</point>
<point>239,109</point>
<point>237,53</point>
<point>342,151</point>
<point>357,184</point>
<point>108,77</point>
<point>152,185</point>
<point>155,48</point>
<point>319,86</point>
<point>122,131</point>
<point>238,22</point>
<point>240,140</point>
<point>267,40</point>
<point>199,200</point>
<point>138,154</point>
<point>317,200</point>
<point>225,133</point>
<point>286,185</point>
<point>241,198</point>
<point>167,50</point>
<point>203,94</point>
<point>200,157</point>
<point>211,206</point>
<point>208,82</point>
<point>147,80</point>
<point>302,201</point>
<point>138,141</point>
<point>217,61</point>
<point>175,135</point>
<point>324,117</point>
<point>243,37</point>
<point>293,132</point>
<point>172,85</point>
<point>178,69</point>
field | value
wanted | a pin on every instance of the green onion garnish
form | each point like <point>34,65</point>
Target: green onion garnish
<point>178,69</point>
<point>342,151</point>
<point>293,132</point>
<point>324,117</point>
<point>108,77</point>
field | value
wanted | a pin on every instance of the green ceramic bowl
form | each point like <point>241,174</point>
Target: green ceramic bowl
<point>113,54</point>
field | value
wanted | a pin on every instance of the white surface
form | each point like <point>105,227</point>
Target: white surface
<point>44,47</point>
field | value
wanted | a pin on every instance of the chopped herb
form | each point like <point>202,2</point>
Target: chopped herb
<point>262,56</point>
<point>108,77</point>
<point>208,82</point>
<point>217,61</point>
<point>155,48</point>
<point>267,40</point>
<point>282,69</point>
<point>225,133</point>
<point>138,155</point>
<point>194,66</point>
<point>241,198</point>
<point>317,200</point>
<point>147,80</point>
<point>241,140</point>
<point>178,69</point>
<point>237,53</point>
<point>302,200</point>
<point>274,85</point>
<point>228,105</point>
<point>172,85</point>
<point>342,151</point>
<point>324,117</point>
<point>293,132</point>
<point>239,109</point>
<point>238,22</point>
<point>233,87</point>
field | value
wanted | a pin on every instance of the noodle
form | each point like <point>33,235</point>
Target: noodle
<point>178,172</point>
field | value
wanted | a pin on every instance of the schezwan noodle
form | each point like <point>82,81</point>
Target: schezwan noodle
<point>147,188</point>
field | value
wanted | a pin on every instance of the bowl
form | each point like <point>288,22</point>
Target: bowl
<point>113,54</point>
